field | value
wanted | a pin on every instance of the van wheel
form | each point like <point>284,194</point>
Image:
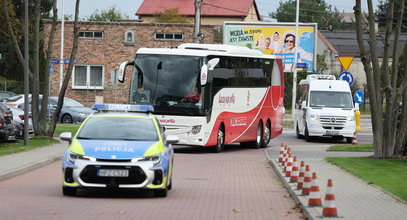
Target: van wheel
<point>306,134</point>
<point>266,135</point>
<point>259,136</point>
<point>220,140</point>
<point>297,131</point>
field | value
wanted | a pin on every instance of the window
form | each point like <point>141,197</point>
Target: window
<point>129,38</point>
<point>169,36</point>
<point>91,34</point>
<point>88,77</point>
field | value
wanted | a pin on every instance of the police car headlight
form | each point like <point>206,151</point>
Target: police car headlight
<point>314,117</point>
<point>155,158</point>
<point>196,129</point>
<point>350,118</point>
<point>73,157</point>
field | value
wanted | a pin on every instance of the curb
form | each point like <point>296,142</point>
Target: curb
<point>288,187</point>
<point>28,167</point>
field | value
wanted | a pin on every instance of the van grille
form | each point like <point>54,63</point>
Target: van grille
<point>333,122</point>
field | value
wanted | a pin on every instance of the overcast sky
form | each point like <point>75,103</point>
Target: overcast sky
<point>129,7</point>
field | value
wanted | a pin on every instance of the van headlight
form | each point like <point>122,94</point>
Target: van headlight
<point>73,156</point>
<point>350,118</point>
<point>314,117</point>
<point>155,158</point>
<point>196,129</point>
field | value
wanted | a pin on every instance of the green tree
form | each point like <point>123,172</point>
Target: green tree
<point>171,15</point>
<point>383,80</point>
<point>311,11</point>
<point>111,14</point>
<point>381,13</point>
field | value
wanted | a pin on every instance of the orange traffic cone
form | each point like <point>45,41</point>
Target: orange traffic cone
<point>289,166</point>
<point>307,181</point>
<point>329,204</point>
<point>294,172</point>
<point>280,157</point>
<point>284,158</point>
<point>354,139</point>
<point>314,196</point>
<point>301,176</point>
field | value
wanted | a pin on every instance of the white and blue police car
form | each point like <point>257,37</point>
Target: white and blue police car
<point>118,146</point>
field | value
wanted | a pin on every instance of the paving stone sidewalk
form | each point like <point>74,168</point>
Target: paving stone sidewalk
<point>354,197</point>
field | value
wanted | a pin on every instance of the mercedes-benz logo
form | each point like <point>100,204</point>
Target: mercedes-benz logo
<point>333,120</point>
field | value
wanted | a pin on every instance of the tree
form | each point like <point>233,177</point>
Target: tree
<point>171,15</point>
<point>311,11</point>
<point>381,14</point>
<point>384,90</point>
<point>39,116</point>
<point>112,14</point>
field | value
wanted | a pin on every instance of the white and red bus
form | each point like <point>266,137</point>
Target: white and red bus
<point>241,93</point>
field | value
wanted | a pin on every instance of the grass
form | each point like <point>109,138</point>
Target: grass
<point>357,147</point>
<point>288,123</point>
<point>35,142</point>
<point>388,174</point>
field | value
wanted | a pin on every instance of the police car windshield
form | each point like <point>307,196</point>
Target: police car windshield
<point>119,128</point>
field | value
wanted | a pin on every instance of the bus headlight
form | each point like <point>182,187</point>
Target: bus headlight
<point>196,129</point>
<point>314,117</point>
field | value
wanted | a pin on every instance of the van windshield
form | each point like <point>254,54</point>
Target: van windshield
<point>330,99</point>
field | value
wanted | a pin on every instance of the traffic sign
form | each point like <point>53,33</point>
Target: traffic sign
<point>345,62</point>
<point>346,76</point>
<point>51,68</point>
<point>55,61</point>
<point>358,97</point>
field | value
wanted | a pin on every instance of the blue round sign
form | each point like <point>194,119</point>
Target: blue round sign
<point>346,76</point>
<point>358,97</point>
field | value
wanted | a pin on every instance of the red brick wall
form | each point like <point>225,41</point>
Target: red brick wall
<point>111,51</point>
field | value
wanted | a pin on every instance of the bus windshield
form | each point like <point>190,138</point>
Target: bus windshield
<point>168,82</point>
<point>329,99</point>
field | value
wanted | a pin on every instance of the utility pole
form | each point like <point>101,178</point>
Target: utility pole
<point>61,61</point>
<point>297,15</point>
<point>197,31</point>
<point>26,60</point>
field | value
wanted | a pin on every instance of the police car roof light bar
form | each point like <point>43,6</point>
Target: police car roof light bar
<point>123,108</point>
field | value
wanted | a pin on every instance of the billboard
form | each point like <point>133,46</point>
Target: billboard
<point>277,39</point>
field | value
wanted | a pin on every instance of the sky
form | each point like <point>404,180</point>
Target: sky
<point>129,7</point>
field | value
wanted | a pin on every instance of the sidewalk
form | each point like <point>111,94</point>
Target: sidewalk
<point>354,198</point>
<point>15,164</point>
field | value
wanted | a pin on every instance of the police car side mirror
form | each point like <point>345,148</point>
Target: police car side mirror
<point>304,104</point>
<point>66,136</point>
<point>172,139</point>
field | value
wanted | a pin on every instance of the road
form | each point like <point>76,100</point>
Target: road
<point>238,183</point>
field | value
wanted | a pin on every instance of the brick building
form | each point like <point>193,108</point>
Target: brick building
<point>103,46</point>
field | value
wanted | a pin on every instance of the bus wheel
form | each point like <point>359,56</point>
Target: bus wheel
<point>220,140</point>
<point>266,135</point>
<point>259,136</point>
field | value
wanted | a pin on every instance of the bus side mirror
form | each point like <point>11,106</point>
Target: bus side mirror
<point>204,74</point>
<point>122,70</point>
<point>304,105</point>
<point>212,63</point>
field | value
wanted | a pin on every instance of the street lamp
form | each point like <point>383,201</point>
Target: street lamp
<point>297,15</point>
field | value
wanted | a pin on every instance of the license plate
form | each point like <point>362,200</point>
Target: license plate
<point>332,132</point>
<point>113,173</point>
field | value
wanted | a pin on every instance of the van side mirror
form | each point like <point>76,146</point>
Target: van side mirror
<point>356,106</point>
<point>304,104</point>
<point>122,70</point>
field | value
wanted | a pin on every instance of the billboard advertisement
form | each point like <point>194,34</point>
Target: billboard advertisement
<point>277,39</point>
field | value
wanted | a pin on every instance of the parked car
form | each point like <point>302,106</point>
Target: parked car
<point>71,112</point>
<point>19,117</point>
<point>16,101</point>
<point>6,94</point>
<point>7,128</point>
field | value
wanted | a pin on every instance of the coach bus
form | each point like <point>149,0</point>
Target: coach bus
<point>210,94</point>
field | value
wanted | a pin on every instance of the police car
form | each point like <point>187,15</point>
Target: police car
<point>119,146</point>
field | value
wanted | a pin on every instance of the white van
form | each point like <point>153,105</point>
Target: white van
<point>324,107</point>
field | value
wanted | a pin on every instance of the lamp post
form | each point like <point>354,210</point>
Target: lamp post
<point>297,15</point>
<point>61,61</point>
